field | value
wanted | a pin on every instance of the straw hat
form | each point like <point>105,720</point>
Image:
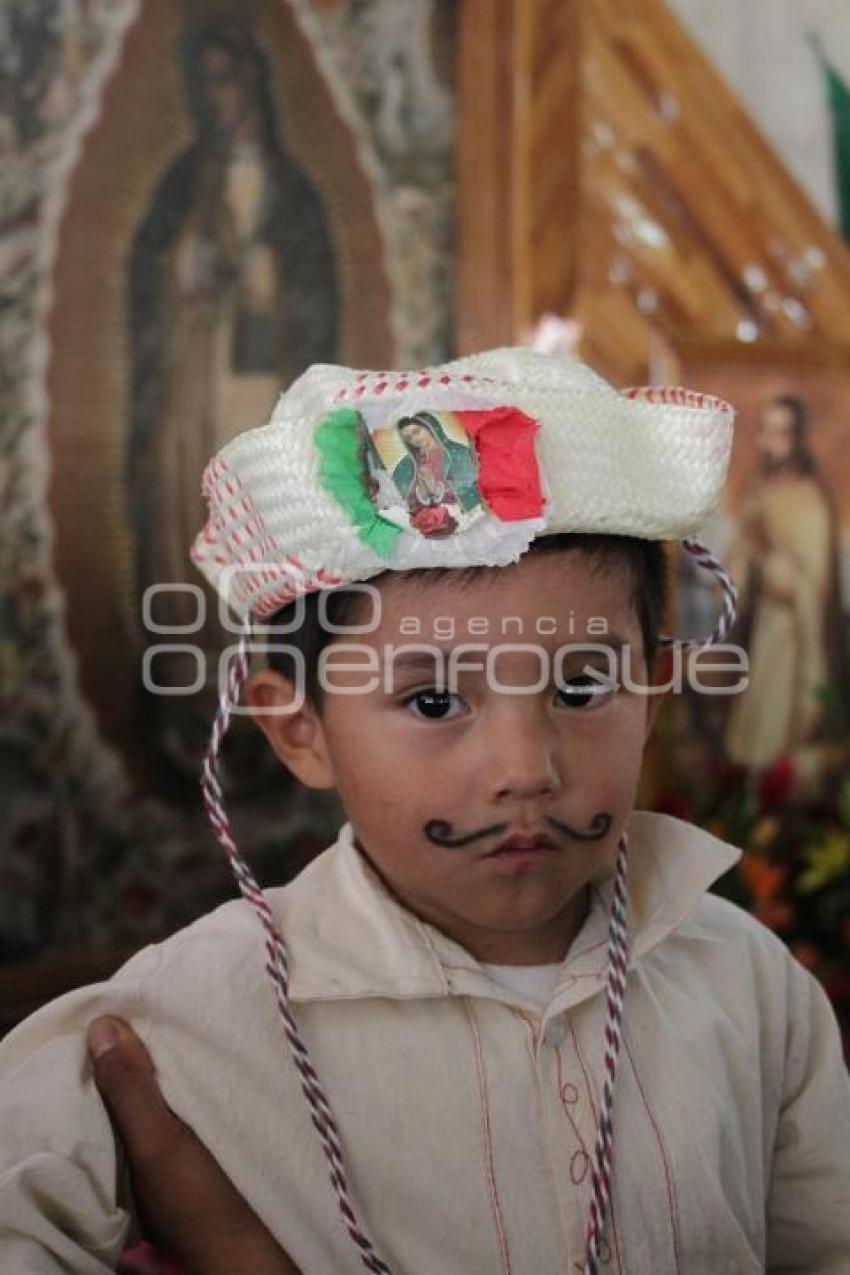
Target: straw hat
<point>458,465</point>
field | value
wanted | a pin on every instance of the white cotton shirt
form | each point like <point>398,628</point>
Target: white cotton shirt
<point>467,1115</point>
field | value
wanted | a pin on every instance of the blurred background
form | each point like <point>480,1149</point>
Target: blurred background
<point>198,199</point>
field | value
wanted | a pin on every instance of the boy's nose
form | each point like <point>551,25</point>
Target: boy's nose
<point>525,787</point>
<point>522,762</point>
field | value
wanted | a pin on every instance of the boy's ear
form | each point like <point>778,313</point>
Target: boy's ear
<point>293,728</point>
<point>660,674</point>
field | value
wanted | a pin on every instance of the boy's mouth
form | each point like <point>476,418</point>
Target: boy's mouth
<point>529,845</point>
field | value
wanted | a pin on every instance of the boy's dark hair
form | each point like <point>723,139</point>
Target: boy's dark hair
<point>645,561</point>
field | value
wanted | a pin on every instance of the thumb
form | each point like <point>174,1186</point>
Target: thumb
<point>124,1074</point>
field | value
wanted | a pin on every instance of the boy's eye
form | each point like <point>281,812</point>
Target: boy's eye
<point>584,690</point>
<point>434,705</point>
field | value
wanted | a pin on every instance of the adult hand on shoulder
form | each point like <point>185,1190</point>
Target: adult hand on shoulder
<point>187,1205</point>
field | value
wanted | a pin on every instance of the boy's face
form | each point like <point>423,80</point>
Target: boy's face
<point>487,809</point>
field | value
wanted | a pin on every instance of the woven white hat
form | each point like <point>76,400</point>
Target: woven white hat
<point>517,444</point>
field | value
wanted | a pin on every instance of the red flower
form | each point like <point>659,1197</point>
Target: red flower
<point>729,774</point>
<point>762,878</point>
<point>673,803</point>
<point>807,954</point>
<point>837,985</point>
<point>776,782</point>
<point>776,914</point>
<point>433,520</point>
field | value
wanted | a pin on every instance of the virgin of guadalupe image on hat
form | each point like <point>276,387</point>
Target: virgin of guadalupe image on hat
<point>434,469</point>
<point>416,483</point>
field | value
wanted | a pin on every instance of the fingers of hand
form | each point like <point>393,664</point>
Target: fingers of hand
<point>125,1077</point>
<point>184,1200</point>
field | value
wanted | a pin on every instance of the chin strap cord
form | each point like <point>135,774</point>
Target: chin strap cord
<point>277,965</point>
<point>706,559</point>
<point>618,961</point>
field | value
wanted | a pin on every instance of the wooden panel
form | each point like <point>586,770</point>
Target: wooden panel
<point>518,175</point>
<point>608,173</point>
<point>546,156</point>
<point>485,285</point>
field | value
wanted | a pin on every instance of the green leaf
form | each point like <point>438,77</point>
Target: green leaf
<point>826,863</point>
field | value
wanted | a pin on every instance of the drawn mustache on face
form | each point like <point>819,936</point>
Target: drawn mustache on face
<point>441,833</point>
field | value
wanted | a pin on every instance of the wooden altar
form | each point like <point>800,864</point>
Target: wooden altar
<point>608,173</point>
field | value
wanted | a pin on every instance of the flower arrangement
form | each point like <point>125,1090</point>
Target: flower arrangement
<point>794,872</point>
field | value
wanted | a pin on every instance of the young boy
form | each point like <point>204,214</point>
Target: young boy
<point>463,976</point>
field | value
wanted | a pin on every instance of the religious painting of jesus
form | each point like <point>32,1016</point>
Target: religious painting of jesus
<point>783,531</point>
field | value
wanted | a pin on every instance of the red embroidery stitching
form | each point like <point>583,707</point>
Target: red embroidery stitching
<point>676,395</point>
<point>674,1223</point>
<point>488,1140</point>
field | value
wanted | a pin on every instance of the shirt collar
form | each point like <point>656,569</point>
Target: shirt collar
<point>348,937</point>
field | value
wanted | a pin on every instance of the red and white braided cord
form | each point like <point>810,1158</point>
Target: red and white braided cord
<point>705,558</point>
<point>276,959</point>
<point>618,959</point>
<point>618,956</point>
